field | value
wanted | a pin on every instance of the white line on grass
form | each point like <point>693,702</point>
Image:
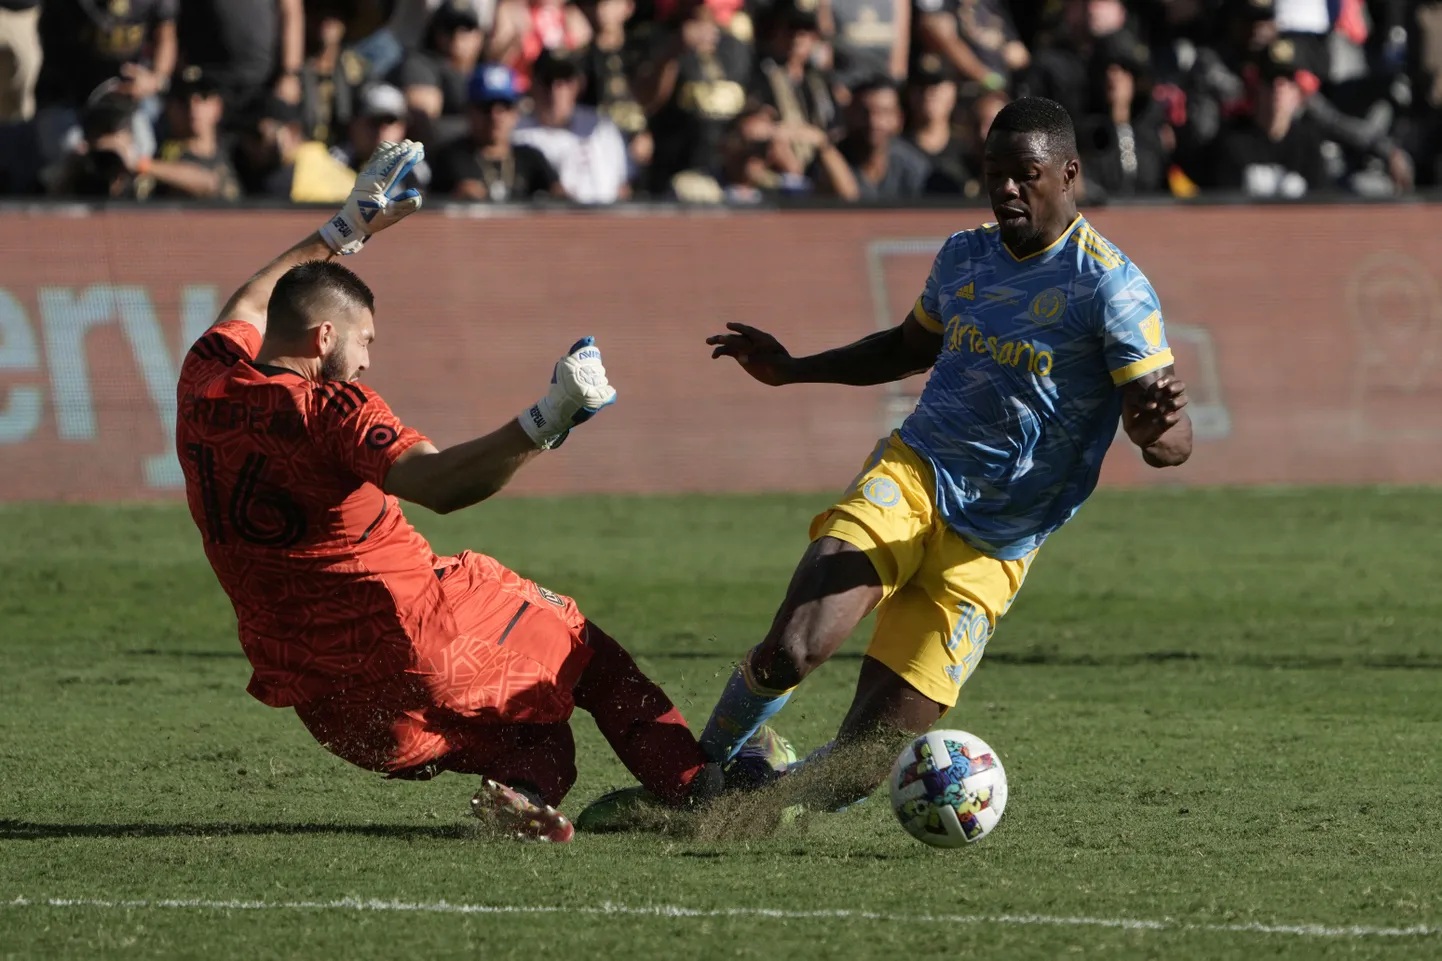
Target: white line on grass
<point>675,911</point>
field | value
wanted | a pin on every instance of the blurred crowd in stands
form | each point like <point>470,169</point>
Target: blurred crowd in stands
<point>711,101</point>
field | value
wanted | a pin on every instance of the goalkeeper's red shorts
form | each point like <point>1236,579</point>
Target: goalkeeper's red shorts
<point>494,699</point>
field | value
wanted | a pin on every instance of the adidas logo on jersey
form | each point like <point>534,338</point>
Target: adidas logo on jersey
<point>967,292</point>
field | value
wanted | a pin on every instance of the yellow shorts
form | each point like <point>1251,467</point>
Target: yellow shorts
<point>942,597</point>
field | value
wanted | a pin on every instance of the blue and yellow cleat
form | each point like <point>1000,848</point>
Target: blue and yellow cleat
<point>762,760</point>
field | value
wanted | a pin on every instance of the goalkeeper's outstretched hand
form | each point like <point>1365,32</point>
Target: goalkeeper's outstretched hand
<point>579,391</point>
<point>379,197</point>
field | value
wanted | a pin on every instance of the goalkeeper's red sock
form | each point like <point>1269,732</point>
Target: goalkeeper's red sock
<point>639,721</point>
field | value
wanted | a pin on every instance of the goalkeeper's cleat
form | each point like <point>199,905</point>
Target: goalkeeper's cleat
<point>763,759</point>
<point>618,810</point>
<point>518,814</point>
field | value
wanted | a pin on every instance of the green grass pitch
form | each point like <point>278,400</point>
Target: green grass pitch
<point>1216,708</point>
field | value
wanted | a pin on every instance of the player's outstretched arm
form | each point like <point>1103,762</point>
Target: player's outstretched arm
<point>462,475</point>
<point>466,474</point>
<point>879,358</point>
<point>250,301</point>
<point>378,200</point>
<point>1154,419</point>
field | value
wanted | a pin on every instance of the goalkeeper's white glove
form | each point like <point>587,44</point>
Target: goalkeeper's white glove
<point>579,391</point>
<point>378,199</point>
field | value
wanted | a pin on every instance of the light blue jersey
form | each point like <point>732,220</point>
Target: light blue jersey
<point>1024,401</point>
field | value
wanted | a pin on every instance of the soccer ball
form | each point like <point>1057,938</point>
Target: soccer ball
<point>948,788</point>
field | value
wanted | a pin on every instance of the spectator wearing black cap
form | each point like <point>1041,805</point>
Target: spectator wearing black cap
<point>380,117</point>
<point>587,150</point>
<point>930,128</point>
<point>108,163</point>
<point>881,165</point>
<point>126,47</point>
<point>1124,142</point>
<point>1275,151</point>
<point>869,38</point>
<point>276,160</point>
<point>693,86</point>
<point>252,49</point>
<point>192,161</point>
<point>435,80</point>
<point>104,163</point>
<point>609,65</point>
<point>1361,96</point>
<point>1306,23</point>
<point>485,165</point>
<point>787,79</point>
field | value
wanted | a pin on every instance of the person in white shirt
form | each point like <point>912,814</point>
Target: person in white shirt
<point>1303,16</point>
<point>586,149</point>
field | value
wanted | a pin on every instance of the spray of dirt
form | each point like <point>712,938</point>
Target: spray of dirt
<point>785,806</point>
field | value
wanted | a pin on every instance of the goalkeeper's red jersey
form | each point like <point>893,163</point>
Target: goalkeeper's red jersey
<point>332,587</point>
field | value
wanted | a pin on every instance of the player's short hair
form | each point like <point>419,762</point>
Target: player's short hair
<point>1038,115</point>
<point>309,289</point>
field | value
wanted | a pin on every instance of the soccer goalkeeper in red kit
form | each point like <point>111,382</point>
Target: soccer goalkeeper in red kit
<point>395,659</point>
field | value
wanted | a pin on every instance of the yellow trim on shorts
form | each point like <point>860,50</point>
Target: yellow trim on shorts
<point>941,597</point>
<point>1129,373</point>
<point>843,526</point>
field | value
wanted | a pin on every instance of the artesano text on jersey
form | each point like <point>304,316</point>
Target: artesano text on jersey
<point>1024,401</point>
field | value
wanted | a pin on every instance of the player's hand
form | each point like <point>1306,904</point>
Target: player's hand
<point>579,391</point>
<point>758,353</point>
<point>1150,411</point>
<point>378,199</point>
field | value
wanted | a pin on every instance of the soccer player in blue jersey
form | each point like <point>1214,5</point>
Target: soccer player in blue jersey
<point>1041,335</point>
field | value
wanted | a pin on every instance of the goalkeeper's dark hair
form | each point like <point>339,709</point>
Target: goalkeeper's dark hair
<point>308,290</point>
<point>1040,116</point>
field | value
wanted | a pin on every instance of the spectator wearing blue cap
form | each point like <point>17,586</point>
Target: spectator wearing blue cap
<point>484,165</point>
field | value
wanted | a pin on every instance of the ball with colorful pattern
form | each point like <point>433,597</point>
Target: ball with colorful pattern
<point>948,789</point>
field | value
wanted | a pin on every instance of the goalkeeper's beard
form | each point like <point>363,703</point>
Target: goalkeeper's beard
<point>332,365</point>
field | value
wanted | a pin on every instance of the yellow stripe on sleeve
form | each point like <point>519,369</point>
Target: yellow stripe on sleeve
<point>1092,243</point>
<point>1097,241</point>
<point>1129,373</point>
<point>925,319</point>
